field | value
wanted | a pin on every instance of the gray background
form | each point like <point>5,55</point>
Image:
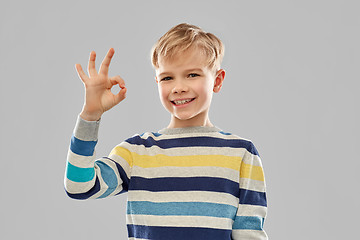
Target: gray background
<point>292,87</point>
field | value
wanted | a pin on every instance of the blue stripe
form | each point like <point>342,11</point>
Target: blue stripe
<point>77,174</point>
<point>81,196</point>
<point>248,223</point>
<point>225,133</point>
<point>211,184</point>
<point>194,142</point>
<point>123,175</point>
<point>109,177</point>
<point>252,197</point>
<point>80,147</point>
<point>181,209</point>
<point>177,233</point>
<point>156,134</point>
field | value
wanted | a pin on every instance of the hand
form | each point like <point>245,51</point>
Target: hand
<point>98,95</point>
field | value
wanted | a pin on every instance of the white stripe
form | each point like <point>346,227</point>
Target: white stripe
<point>183,151</point>
<point>232,136</point>
<point>251,210</point>
<point>186,196</point>
<point>249,234</point>
<point>158,172</point>
<point>122,162</point>
<point>80,161</point>
<point>98,194</point>
<point>194,134</point>
<point>116,191</point>
<point>78,187</point>
<point>252,159</point>
<point>249,158</point>
<point>180,221</point>
<point>253,185</point>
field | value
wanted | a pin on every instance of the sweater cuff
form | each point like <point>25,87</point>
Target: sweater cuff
<point>86,130</point>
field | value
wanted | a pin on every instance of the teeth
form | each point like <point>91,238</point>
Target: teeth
<point>182,101</point>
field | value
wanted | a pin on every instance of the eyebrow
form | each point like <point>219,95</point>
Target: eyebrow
<point>188,70</point>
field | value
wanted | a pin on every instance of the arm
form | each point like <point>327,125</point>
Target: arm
<point>85,177</point>
<point>252,207</point>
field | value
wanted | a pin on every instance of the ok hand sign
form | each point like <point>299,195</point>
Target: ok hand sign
<point>98,95</point>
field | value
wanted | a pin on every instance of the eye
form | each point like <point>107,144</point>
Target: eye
<point>192,75</point>
<point>166,79</point>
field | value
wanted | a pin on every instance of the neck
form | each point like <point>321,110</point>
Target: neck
<point>178,123</point>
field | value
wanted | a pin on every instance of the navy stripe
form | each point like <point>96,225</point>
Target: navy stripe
<point>252,197</point>
<point>122,174</point>
<point>194,142</point>
<point>88,194</point>
<point>177,233</point>
<point>122,191</point>
<point>211,184</point>
<point>80,147</point>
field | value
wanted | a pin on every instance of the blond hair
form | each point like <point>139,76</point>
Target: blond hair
<point>184,36</point>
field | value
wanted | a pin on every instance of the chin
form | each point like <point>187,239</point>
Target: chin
<point>184,117</point>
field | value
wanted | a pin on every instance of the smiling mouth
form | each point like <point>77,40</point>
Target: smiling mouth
<point>182,102</point>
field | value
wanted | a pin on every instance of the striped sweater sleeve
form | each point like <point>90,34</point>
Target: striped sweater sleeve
<point>252,207</point>
<point>87,177</point>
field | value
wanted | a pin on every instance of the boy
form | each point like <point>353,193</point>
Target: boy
<point>189,180</point>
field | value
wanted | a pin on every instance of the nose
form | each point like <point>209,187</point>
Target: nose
<point>180,87</point>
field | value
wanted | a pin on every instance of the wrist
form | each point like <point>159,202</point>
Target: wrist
<point>90,116</point>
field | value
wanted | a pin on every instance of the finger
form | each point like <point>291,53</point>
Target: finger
<point>121,95</point>
<point>91,65</point>
<point>104,68</point>
<point>117,80</point>
<point>81,72</point>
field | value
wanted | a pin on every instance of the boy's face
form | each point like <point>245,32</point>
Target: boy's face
<point>186,85</point>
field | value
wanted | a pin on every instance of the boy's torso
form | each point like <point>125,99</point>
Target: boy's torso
<point>184,181</point>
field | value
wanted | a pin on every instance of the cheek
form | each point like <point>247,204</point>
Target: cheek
<point>204,90</point>
<point>163,92</point>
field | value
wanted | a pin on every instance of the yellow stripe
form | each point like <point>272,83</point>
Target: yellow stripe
<point>252,172</point>
<point>160,160</point>
<point>124,153</point>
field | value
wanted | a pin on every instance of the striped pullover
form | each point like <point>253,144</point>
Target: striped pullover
<point>182,183</point>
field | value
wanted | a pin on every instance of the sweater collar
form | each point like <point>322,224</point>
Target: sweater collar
<point>199,129</point>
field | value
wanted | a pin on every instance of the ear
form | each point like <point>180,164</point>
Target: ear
<point>156,79</point>
<point>219,79</point>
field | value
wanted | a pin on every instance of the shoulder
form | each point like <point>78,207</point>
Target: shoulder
<point>239,141</point>
<point>144,138</point>
<point>139,143</point>
<point>214,139</point>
